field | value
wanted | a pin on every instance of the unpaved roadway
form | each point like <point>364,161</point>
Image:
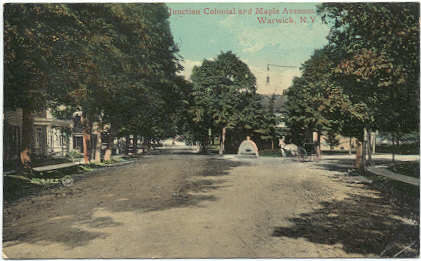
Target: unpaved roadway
<point>202,206</point>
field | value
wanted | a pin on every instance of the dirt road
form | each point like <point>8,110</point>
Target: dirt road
<point>201,206</point>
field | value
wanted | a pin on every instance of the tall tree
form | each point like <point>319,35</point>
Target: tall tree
<point>148,94</point>
<point>40,42</point>
<point>316,102</point>
<point>268,127</point>
<point>378,46</point>
<point>131,63</point>
<point>224,93</point>
<point>113,62</point>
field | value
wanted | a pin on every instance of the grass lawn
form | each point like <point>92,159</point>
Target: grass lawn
<point>270,153</point>
<point>411,169</point>
<point>337,152</point>
<point>399,191</point>
<point>36,162</point>
<point>15,187</point>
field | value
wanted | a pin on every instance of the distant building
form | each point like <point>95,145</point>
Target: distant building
<point>51,137</point>
<point>280,112</point>
<point>279,109</point>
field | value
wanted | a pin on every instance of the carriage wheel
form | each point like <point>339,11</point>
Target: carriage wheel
<point>302,154</point>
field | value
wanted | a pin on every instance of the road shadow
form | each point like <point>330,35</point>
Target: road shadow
<point>66,215</point>
<point>220,167</point>
<point>362,225</point>
<point>186,191</point>
<point>343,170</point>
<point>57,230</point>
<point>341,165</point>
<point>344,164</point>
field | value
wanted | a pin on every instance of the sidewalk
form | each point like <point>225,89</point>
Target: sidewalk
<point>381,161</point>
<point>383,171</point>
<point>47,168</point>
<point>63,165</point>
<point>56,166</point>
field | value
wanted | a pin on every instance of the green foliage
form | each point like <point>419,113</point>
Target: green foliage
<point>40,43</point>
<point>131,60</point>
<point>411,169</point>
<point>316,102</point>
<point>270,153</point>
<point>116,63</point>
<point>366,77</point>
<point>377,45</point>
<point>223,95</point>
<point>74,154</point>
<point>403,149</point>
<point>332,139</point>
<point>269,120</point>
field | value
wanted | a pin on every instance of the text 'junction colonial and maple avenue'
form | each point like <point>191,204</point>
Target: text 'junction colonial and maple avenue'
<point>264,15</point>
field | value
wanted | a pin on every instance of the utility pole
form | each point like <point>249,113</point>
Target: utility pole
<point>275,65</point>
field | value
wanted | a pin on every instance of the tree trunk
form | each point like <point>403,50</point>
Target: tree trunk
<point>370,160</point>
<point>364,151</point>
<point>127,146</point>
<point>319,135</point>
<point>273,141</point>
<point>350,146</point>
<point>222,141</point>
<point>98,142</point>
<point>92,145</point>
<point>27,142</point>
<point>203,146</point>
<point>359,153</point>
<point>393,147</point>
<point>86,132</point>
<point>374,144</point>
<point>110,145</point>
<point>146,143</point>
<point>363,155</point>
<point>135,144</point>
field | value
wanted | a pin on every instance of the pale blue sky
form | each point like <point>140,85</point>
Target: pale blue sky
<point>204,36</point>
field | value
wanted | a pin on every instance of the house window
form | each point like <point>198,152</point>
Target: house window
<point>78,143</point>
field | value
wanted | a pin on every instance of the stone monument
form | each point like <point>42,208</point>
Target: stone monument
<point>248,148</point>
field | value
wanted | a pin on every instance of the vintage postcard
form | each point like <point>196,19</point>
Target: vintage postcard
<point>210,130</point>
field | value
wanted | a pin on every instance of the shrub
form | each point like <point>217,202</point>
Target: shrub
<point>405,149</point>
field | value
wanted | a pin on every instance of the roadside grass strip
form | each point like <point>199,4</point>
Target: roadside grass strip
<point>410,168</point>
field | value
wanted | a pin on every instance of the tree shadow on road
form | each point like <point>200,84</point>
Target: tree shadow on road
<point>341,165</point>
<point>343,170</point>
<point>362,225</point>
<point>187,191</point>
<point>344,164</point>
<point>66,215</point>
<point>57,230</point>
<point>220,167</point>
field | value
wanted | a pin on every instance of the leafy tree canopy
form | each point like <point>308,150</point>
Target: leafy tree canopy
<point>224,94</point>
<point>377,50</point>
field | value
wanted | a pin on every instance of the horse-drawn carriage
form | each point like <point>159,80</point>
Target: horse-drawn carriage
<point>309,151</point>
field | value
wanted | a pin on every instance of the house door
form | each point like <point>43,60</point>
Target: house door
<point>39,141</point>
